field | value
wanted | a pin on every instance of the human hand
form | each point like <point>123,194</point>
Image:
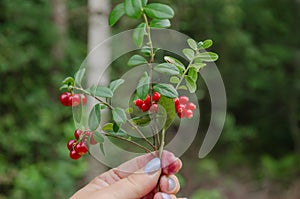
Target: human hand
<point>136,179</point>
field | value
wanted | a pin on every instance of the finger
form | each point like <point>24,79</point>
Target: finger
<point>169,184</point>
<point>170,163</point>
<point>161,195</point>
<point>135,185</point>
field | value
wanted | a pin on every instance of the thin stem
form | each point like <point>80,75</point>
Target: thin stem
<point>148,29</point>
<point>183,75</point>
<point>161,148</point>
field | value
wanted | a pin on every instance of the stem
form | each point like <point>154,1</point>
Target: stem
<point>148,29</point>
<point>161,148</point>
<point>183,75</point>
<point>130,141</point>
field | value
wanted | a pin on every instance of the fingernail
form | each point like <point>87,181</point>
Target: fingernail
<point>172,184</point>
<point>166,196</point>
<point>152,166</point>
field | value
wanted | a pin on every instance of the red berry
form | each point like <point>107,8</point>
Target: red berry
<point>71,144</point>
<point>180,114</point>
<point>147,101</point>
<point>92,140</point>
<point>74,155</point>
<point>81,148</point>
<point>75,99</point>
<point>145,107</point>
<point>191,106</point>
<point>83,99</point>
<point>176,101</point>
<point>64,98</point>
<point>180,108</point>
<point>154,108</point>
<point>188,114</point>
<point>77,133</point>
<point>156,96</point>
<point>183,99</point>
<point>138,102</point>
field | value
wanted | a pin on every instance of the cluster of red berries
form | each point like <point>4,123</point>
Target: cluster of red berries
<point>145,105</point>
<point>78,146</point>
<point>68,99</point>
<point>184,108</point>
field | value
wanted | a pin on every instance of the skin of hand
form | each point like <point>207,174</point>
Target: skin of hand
<point>136,179</point>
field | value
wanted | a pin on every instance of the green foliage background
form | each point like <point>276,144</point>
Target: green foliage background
<point>259,46</point>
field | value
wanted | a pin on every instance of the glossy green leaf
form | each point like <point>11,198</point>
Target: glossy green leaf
<point>189,53</point>
<point>133,8</point>
<point>79,76</point>
<point>136,60</point>
<point>116,127</point>
<point>193,74</point>
<point>191,84</point>
<point>169,107</point>
<point>101,91</point>
<point>94,117</point>
<point>116,14</point>
<point>144,2</point>
<point>102,148</point>
<point>138,34</point>
<point>77,113</point>
<point>208,56</point>
<point>167,68</point>
<point>114,85</point>
<point>207,43</point>
<point>143,86</point>
<point>160,23</point>
<point>159,11</point>
<point>119,115</point>
<point>69,81</point>
<point>166,89</point>
<point>146,51</point>
<point>182,87</point>
<point>98,137</point>
<point>108,127</point>
<point>174,80</point>
<point>193,44</point>
<point>176,62</point>
<point>198,66</point>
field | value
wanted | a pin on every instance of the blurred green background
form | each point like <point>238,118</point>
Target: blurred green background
<point>259,46</point>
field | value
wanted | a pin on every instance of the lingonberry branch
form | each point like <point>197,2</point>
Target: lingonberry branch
<point>183,75</point>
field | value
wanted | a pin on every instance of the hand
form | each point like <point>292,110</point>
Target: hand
<point>136,179</point>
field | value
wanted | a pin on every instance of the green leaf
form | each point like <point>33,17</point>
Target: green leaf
<point>167,68</point>
<point>77,113</point>
<point>138,34</point>
<point>116,14</point>
<point>69,81</point>
<point>102,148</point>
<point>142,120</point>
<point>182,87</point>
<point>64,87</point>
<point>198,66</point>
<point>119,115</point>
<point>166,89</point>
<point>108,127</point>
<point>159,11</point>
<point>144,2</point>
<point>94,117</point>
<point>103,106</point>
<point>174,80</point>
<point>116,127</point>
<point>98,137</point>
<point>176,62</point>
<point>114,85</point>
<point>193,74</point>
<point>146,51</point>
<point>158,23</point>
<point>208,56</point>
<point>189,53</point>
<point>136,60</point>
<point>169,107</point>
<point>191,84</point>
<point>101,91</point>
<point>143,86</point>
<point>207,43</point>
<point>129,110</point>
<point>79,76</point>
<point>192,43</point>
<point>133,8</point>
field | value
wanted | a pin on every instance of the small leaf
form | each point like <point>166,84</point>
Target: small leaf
<point>146,51</point>
<point>167,68</point>
<point>169,107</point>
<point>64,87</point>
<point>191,84</point>
<point>103,106</point>
<point>192,43</point>
<point>114,85</point>
<point>144,2</point>
<point>159,11</point>
<point>102,148</point>
<point>208,56</point>
<point>157,23</point>
<point>207,43</point>
<point>193,74</point>
<point>133,8</point>
<point>198,66</point>
<point>79,76</point>
<point>116,127</point>
<point>116,14</point>
<point>77,113</point>
<point>138,34</point>
<point>94,117</point>
<point>108,127</point>
<point>119,115</point>
<point>136,60</point>
<point>98,137</point>
<point>189,53</point>
<point>166,89</point>
<point>129,110</point>
<point>182,87</point>
<point>174,80</point>
<point>69,81</point>
<point>101,91</point>
<point>143,86</point>
<point>177,63</point>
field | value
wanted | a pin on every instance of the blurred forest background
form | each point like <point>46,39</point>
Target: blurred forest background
<point>259,46</point>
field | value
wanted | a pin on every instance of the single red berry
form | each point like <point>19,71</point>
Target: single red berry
<point>188,113</point>
<point>138,102</point>
<point>64,98</point>
<point>71,144</point>
<point>156,96</point>
<point>77,133</point>
<point>74,155</point>
<point>145,107</point>
<point>191,106</point>
<point>75,99</point>
<point>83,99</point>
<point>180,108</point>
<point>180,114</point>
<point>92,139</point>
<point>147,101</point>
<point>183,99</point>
<point>154,108</point>
<point>176,101</point>
<point>81,148</point>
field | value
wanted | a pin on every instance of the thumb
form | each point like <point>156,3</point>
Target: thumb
<point>137,184</point>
